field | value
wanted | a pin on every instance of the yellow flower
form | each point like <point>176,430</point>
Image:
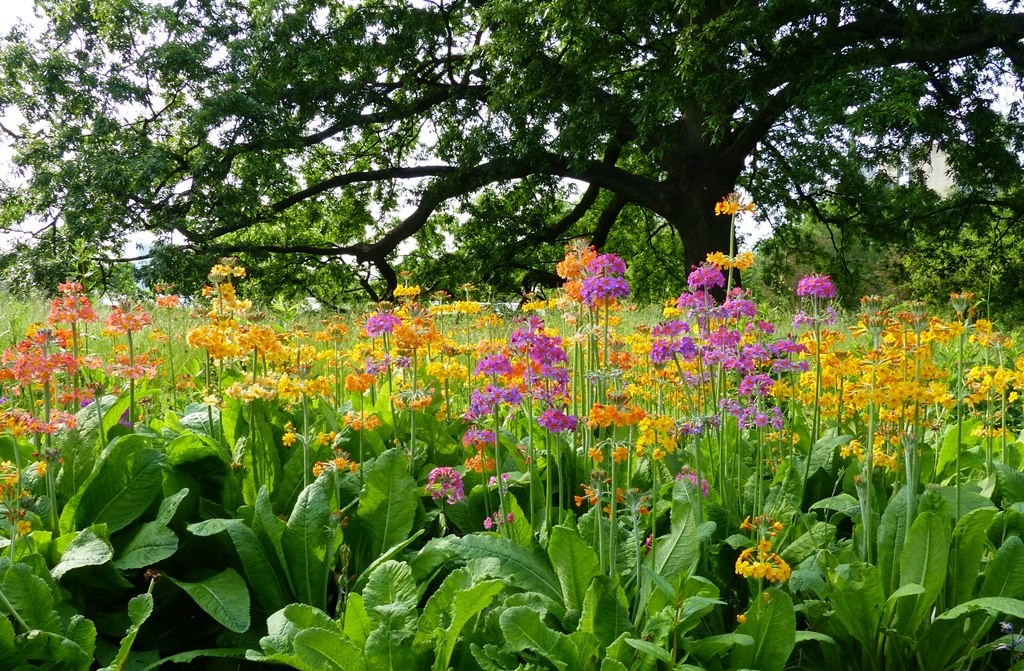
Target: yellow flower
<point>24,527</point>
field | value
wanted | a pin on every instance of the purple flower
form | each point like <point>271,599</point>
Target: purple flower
<point>445,483</point>
<point>755,385</point>
<point>600,288</point>
<point>816,286</point>
<point>478,437</point>
<point>705,276</point>
<point>556,421</point>
<point>670,328</point>
<point>381,322</point>
<point>495,364</point>
<point>663,351</point>
<point>606,264</point>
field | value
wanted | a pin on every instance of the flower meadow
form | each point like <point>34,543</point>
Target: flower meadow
<point>572,486</point>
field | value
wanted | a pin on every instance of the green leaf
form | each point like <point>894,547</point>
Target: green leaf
<point>709,647</point>
<point>304,544</point>
<point>152,542</point>
<point>390,585</point>
<point>30,597</point>
<point>169,506</point>
<point>771,622</point>
<point>263,578</point>
<point>223,596</point>
<point>993,605</point>
<point>456,601</point>
<point>969,540</point>
<point>126,480</point>
<point>923,561</point>
<point>950,447</point>
<point>605,610</point>
<point>524,630</point>
<point>1004,575</point>
<point>818,536</point>
<point>328,649</point>
<point>192,655</point>
<point>358,625</point>
<point>892,531</point>
<point>1009,485</point>
<point>858,600</point>
<point>522,568</point>
<point>575,564</point>
<point>650,649</point>
<point>139,609</point>
<point>387,504</point>
<point>87,549</point>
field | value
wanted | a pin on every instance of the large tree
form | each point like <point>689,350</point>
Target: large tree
<point>337,130</point>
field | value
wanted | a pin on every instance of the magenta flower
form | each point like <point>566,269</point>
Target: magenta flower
<point>445,483</point>
<point>600,288</point>
<point>816,286</point>
<point>705,276</point>
<point>606,264</point>
<point>556,421</point>
<point>381,322</point>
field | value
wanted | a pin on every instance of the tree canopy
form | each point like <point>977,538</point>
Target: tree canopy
<point>323,138</point>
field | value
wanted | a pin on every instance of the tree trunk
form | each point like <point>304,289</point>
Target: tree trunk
<point>693,214</point>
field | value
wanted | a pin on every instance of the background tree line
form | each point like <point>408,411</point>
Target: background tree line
<point>334,144</point>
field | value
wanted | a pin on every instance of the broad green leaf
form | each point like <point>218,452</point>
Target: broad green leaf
<point>304,544</point>
<point>268,528</point>
<point>605,610</point>
<point>676,555</point>
<point>192,655</point>
<point>10,656</point>
<point>55,649</point>
<point>809,542</point>
<point>950,447</point>
<point>858,600</point>
<point>575,564</point>
<point>30,597</point>
<point>87,549</point>
<point>913,589</point>
<point>190,447</point>
<point>169,506</point>
<point>387,504</point>
<point>390,585</point>
<point>223,596</point>
<point>127,478</point>
<point>970,537</point>
<point>892,532</point>
<point>524,630</point>
<point>390,554</point>
<point>992,605</point>
<point>715,646</point>
<point>523,568</point>
<point>328,649</point>
<point>358,624</point>
<point>266,584</point>
<point>771,622</point>
<point>1004,575</point>
<point>152,542</point>
<point>923,561</point>
<point>841,503</point>
<point>82,632</point>
<point>455,602</point>
<point>1009,485</point>
<point>650,649</point>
